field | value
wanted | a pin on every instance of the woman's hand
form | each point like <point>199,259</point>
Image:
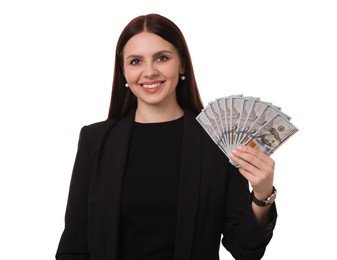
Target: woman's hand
<point>257,168</point>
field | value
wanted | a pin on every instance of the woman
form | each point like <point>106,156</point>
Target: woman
<point>149,183</point>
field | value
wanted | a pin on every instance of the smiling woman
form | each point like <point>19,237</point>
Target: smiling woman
<point>151,67</point>
<point>148,182</point>
<point>135,51</point>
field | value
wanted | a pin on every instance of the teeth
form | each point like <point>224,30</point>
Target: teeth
<point>151,86</point>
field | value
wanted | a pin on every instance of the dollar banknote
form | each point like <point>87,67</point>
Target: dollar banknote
<point>243,120</point>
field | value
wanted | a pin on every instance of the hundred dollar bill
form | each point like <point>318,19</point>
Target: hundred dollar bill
<point>237,104</point>
<point>246,111</point>
<point>228,105</point>
<point>267,115</point>
<point>239,113</point>
<point>225,107</point>
<point>250,124</point>
<point>277,108</point>
<point>206,124</point>
<point>223,114</point>
<point>230,122</point>
<point>213,118</point>
<point>274,133</point>
<point>214,106</point>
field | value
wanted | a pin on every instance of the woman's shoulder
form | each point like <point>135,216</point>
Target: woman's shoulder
<point>100,130</point>
<point>97,130</point>
<point>100,125</point>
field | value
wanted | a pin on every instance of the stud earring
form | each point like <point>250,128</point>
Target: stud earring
<point>126,85</point>
<point>182,77</point>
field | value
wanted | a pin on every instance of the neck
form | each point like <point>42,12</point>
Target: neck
<point>156,114</point>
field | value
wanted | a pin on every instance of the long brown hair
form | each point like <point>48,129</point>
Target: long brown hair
<point>122,99</point>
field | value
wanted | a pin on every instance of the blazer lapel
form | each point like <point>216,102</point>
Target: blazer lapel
<point>189,187</point>
<point>112,166</point>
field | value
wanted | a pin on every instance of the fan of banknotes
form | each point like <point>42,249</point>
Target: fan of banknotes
<point>241,120</point>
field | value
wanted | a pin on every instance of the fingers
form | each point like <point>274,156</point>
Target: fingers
<point>251,158</point>
<point>255,166</point>
<point>249,153</point>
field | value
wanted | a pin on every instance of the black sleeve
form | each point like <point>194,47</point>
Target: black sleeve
<point>73,244</point>
<point>243,237</point>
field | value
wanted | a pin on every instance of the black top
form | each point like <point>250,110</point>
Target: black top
<point>150,191</point>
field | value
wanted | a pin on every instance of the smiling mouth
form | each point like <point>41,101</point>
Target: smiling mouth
<point>149,86</point>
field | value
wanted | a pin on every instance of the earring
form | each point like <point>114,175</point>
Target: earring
<point>126,85</point>
<point>182,77</point>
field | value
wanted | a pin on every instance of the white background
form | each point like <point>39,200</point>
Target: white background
<point>56,64</point>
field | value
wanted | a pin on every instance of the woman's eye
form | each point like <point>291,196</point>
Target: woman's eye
<point>135,62</point>
<point>162,58</point>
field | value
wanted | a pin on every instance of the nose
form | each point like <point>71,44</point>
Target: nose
<point>150,70</point>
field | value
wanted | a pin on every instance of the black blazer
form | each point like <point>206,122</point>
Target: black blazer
<point>214,198</point>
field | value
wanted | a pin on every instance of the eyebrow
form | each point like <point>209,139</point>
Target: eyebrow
<point>135,56</point>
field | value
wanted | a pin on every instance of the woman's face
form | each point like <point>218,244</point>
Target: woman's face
<point>151,67</point>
